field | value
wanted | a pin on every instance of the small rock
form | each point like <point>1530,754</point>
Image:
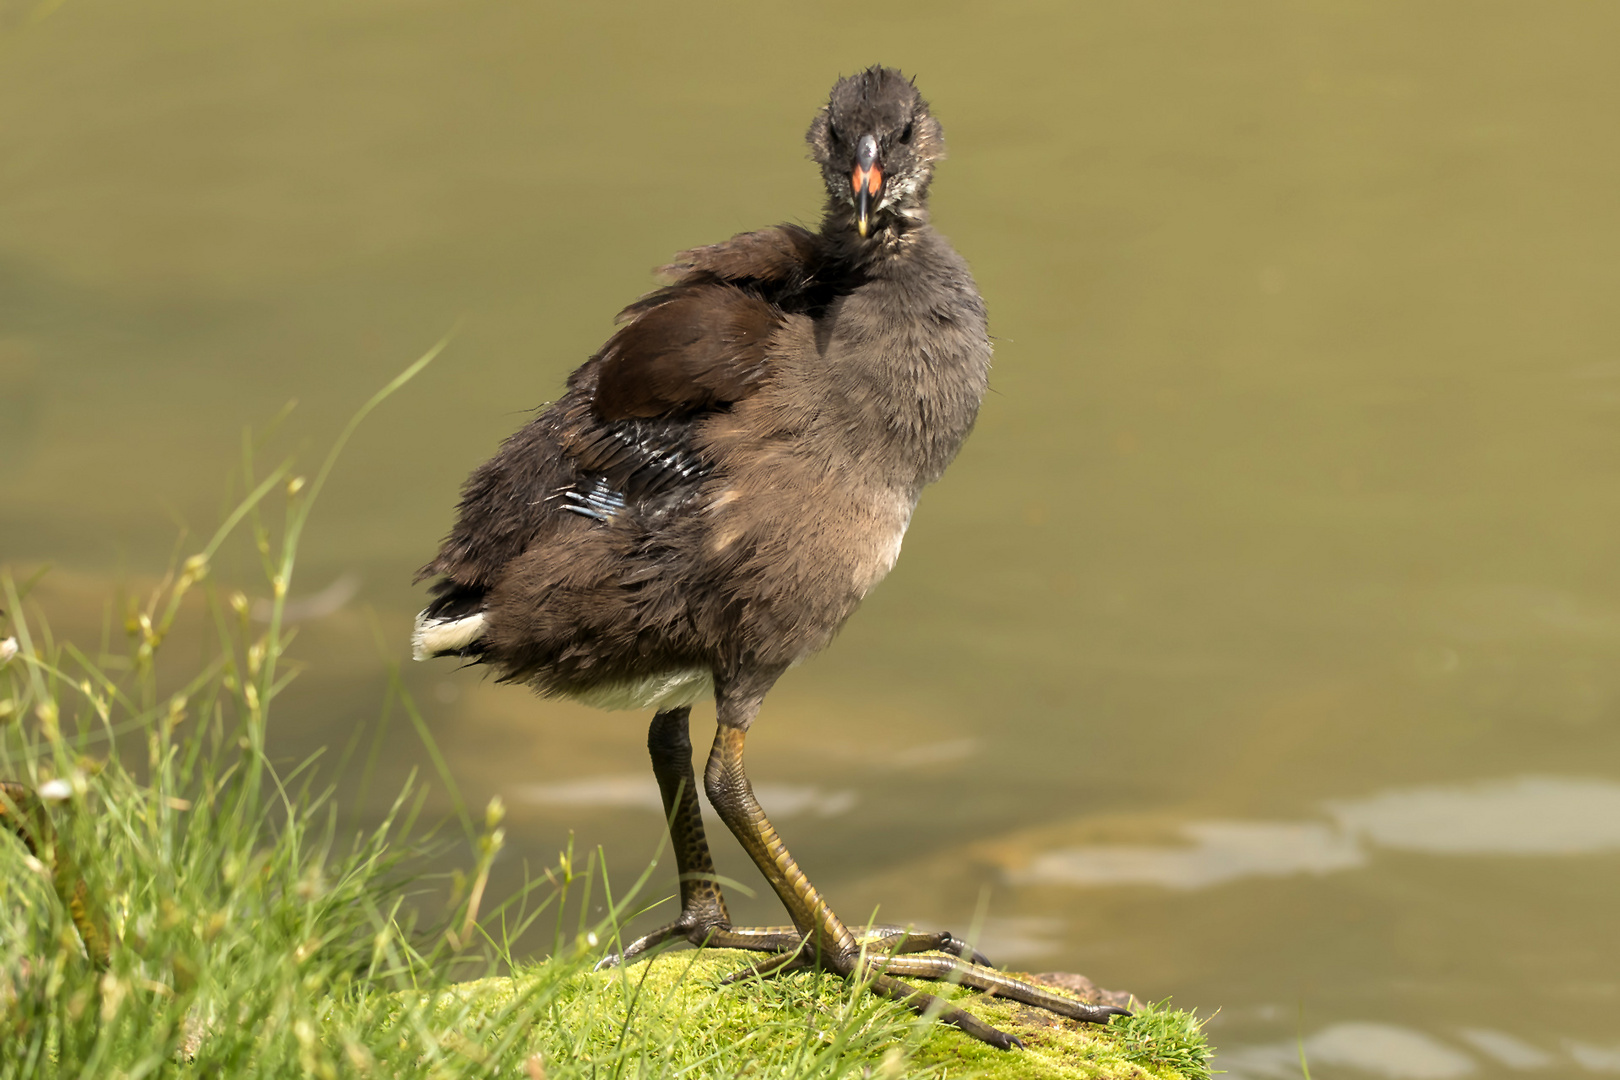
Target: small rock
<point>1084,989</point>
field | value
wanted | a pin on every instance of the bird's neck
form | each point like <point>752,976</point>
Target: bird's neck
<point>890,239</point>
<point>907,349</point>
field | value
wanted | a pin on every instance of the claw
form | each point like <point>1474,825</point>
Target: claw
<point>957,947</point>
<point>678,929</point>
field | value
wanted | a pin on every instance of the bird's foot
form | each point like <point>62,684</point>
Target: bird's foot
<point>893,940</point>
<point>711,933</point>
<point>716,934</point>
<point>879,968</point>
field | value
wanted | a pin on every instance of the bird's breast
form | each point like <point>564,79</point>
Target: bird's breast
<point>906,366</point>
<point>800,530</point>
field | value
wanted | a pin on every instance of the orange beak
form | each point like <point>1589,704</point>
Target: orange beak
<point>866,182</point>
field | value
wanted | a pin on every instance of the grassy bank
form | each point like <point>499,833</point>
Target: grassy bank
<point>809,1024</point>
<point>183,908</point>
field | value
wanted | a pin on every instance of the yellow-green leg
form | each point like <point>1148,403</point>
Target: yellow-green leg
<point>703,919</point>
<point>817,935</point>
<point>828,941</point>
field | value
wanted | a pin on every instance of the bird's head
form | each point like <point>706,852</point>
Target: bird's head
<point>876,144</point>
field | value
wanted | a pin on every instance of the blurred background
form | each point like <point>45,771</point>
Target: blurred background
<point>1259,650</point>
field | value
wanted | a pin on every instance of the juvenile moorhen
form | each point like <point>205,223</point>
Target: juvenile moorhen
<point>717,490</point>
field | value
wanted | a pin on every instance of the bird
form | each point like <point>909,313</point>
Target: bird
<point>714,493</point>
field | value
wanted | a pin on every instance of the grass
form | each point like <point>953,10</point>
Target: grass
<point>189,910</point>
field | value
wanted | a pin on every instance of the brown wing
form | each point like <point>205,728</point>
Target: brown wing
<point>700,347</point>
<point>699,343</point>
<point>778,264</point>
<point>624,431</point>
<point>784,257</point>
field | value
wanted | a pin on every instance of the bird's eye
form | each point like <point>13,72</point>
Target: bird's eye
<point>905,136</point>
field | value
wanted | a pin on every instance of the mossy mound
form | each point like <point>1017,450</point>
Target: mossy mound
<point>677,1008</point>
<point>1158,1042</point>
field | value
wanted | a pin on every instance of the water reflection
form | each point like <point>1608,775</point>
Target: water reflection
<point>640,792</point>
<point>925,755</point>
<point>1380,1049</point>
<point>1222,851</point>
<point>1525,816</point>
<point>1532,815</point>
<point>1402,1053</point>
<point>1501,1047</point>
<point>1604,1059</point>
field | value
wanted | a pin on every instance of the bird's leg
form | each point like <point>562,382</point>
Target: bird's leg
<point>703,919</point>
<point>827,940</point>
<point>818,935</point>
<point>830,942</point>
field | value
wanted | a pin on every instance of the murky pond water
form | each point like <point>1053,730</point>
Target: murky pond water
<point>1260,650</point>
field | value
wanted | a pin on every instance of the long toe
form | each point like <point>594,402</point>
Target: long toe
<point>684,928</point>
<point>765,939</point>
<point>636,948</point>
<point>956,970</point>
<point>896,940</point>
<point>926,1004</point>
<point>957,947</point>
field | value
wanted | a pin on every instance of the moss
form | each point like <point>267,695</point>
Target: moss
<point>678,1007</point>
<point>1158,1042</point>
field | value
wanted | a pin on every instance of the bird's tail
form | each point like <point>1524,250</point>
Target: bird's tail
<point>453,625</point>
<point>447,637</point>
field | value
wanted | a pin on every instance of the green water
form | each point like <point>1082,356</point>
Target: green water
<point>1259,650</point>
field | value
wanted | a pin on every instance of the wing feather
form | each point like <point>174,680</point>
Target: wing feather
<point>702,347</point>
<point>623,439</point>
